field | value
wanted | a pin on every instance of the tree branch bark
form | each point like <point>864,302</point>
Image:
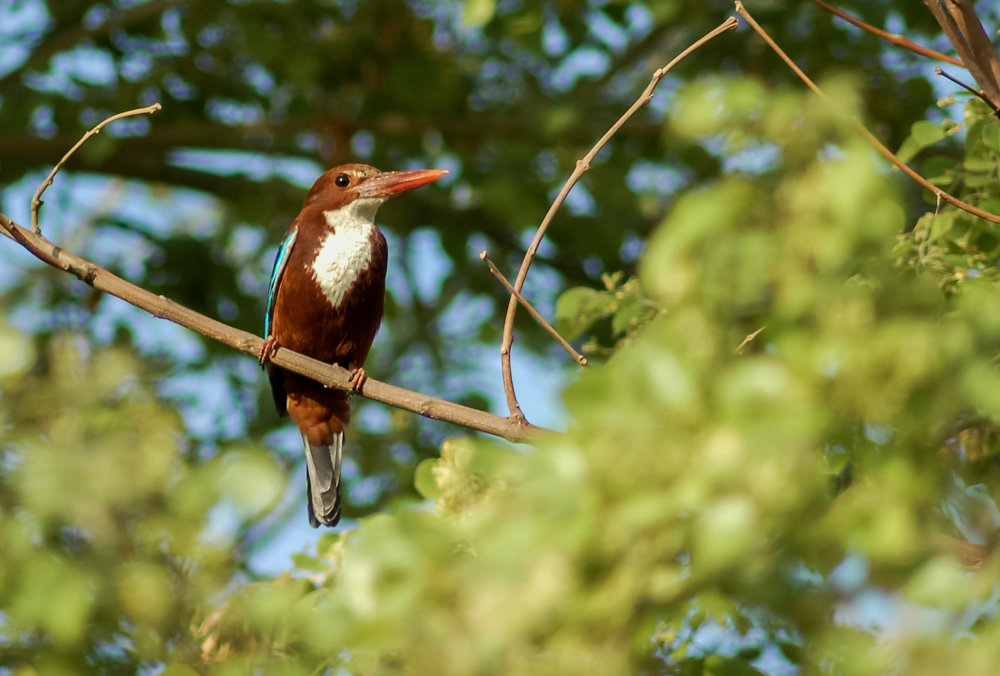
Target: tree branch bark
<point>329,375</point>
<point>582,166</point>
<point>960,23</point>
<point>892,38</point>
<point>867,135</point>
<point>549,329</point>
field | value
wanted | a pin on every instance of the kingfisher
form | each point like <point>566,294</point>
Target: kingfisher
<point>325,300</point>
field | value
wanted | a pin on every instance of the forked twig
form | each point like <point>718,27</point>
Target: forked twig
<point>893,38</point>
<point>867,135</point>
<point>579,358</point>
<point>582,166</point>
<point>36,200</point>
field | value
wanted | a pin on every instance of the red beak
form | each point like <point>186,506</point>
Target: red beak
<point>391,183</point>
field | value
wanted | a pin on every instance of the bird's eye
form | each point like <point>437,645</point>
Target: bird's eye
<point>342,180</point>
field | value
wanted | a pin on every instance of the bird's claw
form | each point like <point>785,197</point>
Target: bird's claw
<point>358,379</point>
<point>267,349</point>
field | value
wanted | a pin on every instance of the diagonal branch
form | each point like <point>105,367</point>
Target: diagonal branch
<point>331,376</point>
<point>868,136</point>
<point>582,166</point>
<point>892,38</point>
<point>579,358</point>
<point>978,93</point>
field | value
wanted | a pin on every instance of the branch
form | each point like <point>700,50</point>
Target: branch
<point>36,201</point>
<point>867,135</point>
<point>972,556</point>
<point>978,93</point>
<point>958,20</point>
<point>893,38</point>
<point>749,338</point>
<point>582,166</point>
<point>579,358</point>
<point>164,308</point>
<point>329,375</point>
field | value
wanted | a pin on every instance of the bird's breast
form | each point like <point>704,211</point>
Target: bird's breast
<point>344,253</point>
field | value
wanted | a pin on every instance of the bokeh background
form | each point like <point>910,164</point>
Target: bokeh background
<point>147,489</point>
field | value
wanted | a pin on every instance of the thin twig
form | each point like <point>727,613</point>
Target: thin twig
<point>36,201</point>
<point>868,136</point>
<point>893,38</point>
<point>582,166</point>
<point>972,90</point>
<point>579,358</point>
<point>749,338</point>
<point>327,374</point>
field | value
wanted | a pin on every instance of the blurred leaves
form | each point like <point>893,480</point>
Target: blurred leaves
<point>96,548</point>
<point>609,315</point>
<point>694,494</point>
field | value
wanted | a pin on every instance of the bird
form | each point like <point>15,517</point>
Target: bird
<point>325,300</point>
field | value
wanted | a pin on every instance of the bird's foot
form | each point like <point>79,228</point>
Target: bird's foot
<point>358,378</point>
<point>267,349</point>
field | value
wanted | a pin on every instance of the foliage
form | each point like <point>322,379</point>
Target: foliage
<point>794,395</point>
<point>697,485</point>
<point>258,97</point>
<point>106,545</point>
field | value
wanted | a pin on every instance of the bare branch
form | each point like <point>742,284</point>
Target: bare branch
<point>36,200</point>
<point>582,166</point>
<point>868,136</point>
<point>331,376</point>
<point>749,338</point>
<point>579,358</point>
<point>893,38</point>
<point>959,22</point>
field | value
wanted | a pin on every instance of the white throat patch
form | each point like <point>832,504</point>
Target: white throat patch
<point>346,250</point>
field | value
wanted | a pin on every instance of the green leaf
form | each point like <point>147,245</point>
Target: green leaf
<point>578,308</point>
<point>980,163</point>
<point>940,583</point>
<point>477,13</point>
<point>626,315</point>
<point>941,225</point>
<point>922,135</point>
<point>17,352</point>
<point>309,563</point>
<point>327,542</point>
<point>927,133</point>
<point>425,481</point>
<point>991,137</point>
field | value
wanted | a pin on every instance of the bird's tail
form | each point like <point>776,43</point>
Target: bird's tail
<point>323,480</point>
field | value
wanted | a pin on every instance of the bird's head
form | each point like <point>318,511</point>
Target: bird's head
<point>365,188</point>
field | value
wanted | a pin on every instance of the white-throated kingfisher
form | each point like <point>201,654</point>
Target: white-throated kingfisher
<point>325,300</point>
